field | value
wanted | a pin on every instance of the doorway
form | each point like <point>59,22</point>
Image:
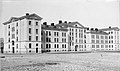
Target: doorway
<point>76,47</point>
<point>13,50</point>
<point>36,50</point>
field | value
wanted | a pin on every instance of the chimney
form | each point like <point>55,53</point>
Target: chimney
<point>60,21</point>
<point>27,14</point>
<point>44,23</point>
<point>92,29</point>
<point>87,28</point>
<point>109,26</point>
<point>52,24</point>
<point>96,29</point>
<point>65,22</point>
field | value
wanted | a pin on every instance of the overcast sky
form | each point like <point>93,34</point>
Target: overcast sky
<point>90,13</point>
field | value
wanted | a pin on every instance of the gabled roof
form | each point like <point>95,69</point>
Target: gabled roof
<point>49,27</point>
<point>108,29</point>
<point>31,16</point>
<point>72,24</point>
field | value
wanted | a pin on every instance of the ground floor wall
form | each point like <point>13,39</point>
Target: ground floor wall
<point>22,47</point>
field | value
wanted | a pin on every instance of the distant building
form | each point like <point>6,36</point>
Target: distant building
<point>23,34</point>
<point>1,45</point>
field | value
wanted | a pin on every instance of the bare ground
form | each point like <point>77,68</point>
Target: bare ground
<point>62,62</point>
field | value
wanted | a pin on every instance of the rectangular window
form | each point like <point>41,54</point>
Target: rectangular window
<point>30,45</point>
<point>36,23</point>
<point>49,33</point>
<point>17,24</point>
<point>46,33</point>
<point>16,31</point>
<point>36,31</point>
<point>9,26</point>
<point>29,22</point>
<point>16,46</point>
<point>13,35</point>
<point>29,30</point>
<point>13,29</point>
<point>36,38</point>
<point>37,44</point>
<point>17,39</point>
<point>57,34</point>
<point>9,33</point>
<point>29,38</point>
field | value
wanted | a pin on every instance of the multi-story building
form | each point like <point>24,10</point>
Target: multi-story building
<point>97,40</point>
<point>23,34</point>
<point>26,35</point>
<point>1,45</point>
<point>76,37</point>
<point>54,39</point>
<point>113,37</point>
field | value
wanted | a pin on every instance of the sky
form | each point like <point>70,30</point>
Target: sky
<point>90,13</point>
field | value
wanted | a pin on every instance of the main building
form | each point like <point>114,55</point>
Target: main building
<point>27,34</point>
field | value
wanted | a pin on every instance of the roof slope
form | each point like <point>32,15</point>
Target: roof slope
<point>107,29</point>
<point>31,16</point>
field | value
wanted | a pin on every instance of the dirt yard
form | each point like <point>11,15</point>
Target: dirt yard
<point>62,62</point>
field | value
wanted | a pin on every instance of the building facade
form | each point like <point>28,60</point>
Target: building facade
<point>26,34</point>
<point>54,39</point>
<point>23,34</point>
<point>1,45</point>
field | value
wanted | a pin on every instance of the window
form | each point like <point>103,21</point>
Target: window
<point>49,33</point>
<point>17,24</point>
<point>93,46</point>
<point>49,46</point>
<point>29,50</point>
<point>57,46</point>
<point>16,46</point>
<point>12,42</point>
<point>36,38</point>
<point>47,39</point>
<point>13,29</point>
<point>13,35</point>
<point>93,41</point>
<point>17,39</point>
<point>102,37</point>
<point>36,23</point>
<point>29,22</point>
<point>92,36</point>
<point>9,40</point>
<point>30,45</point>
<point>57,34</point>
<point>9,33</point>
<point>46,33</point>
<point>9,26</point>
<point>29,38</point>
<point>29,30</point>
<point>54,33</point>
<point>37,44</point>
<point>9,46</point>
<point>46,45</point>
<point>36,31</point>
<point>62,45</point>
<point>17,32</point>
